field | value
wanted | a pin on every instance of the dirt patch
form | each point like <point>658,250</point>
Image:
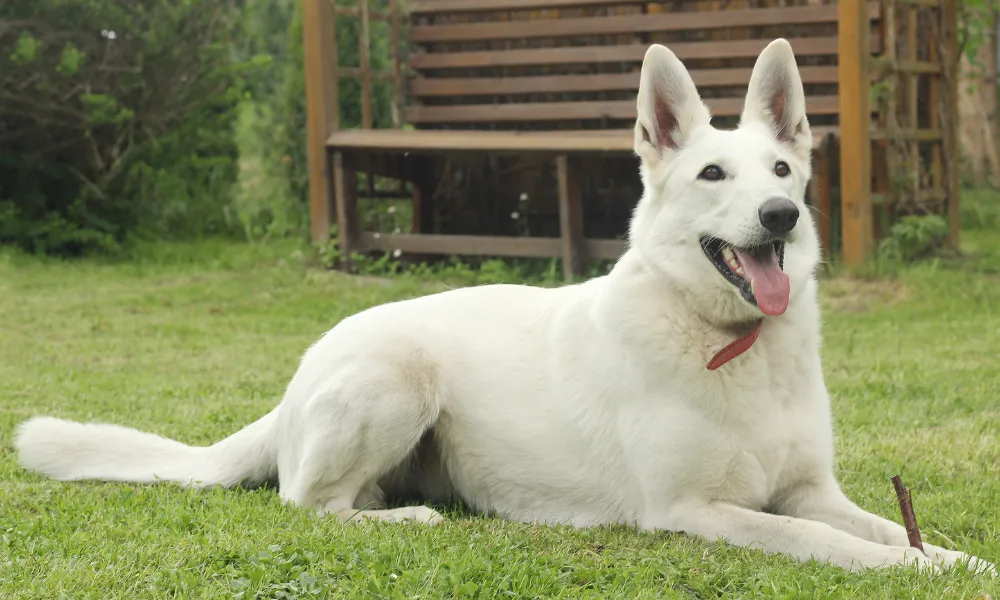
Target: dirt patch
<point>852,295</point>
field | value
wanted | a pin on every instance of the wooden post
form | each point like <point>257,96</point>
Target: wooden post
<point>950,68</point>
<point>364,47</point>
<point>397,71</point>
<point>937,164</point>
<point>570,219</point>
<point>418,170</point>
<point>821,195</point>
<point>855,134</point>
<point>346,189</point>
<point>322,108</point>
<point>914,167</point>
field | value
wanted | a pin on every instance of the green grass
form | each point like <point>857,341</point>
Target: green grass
<point>196,341</point>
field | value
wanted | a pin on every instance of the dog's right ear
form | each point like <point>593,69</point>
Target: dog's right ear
<point>668,105</point>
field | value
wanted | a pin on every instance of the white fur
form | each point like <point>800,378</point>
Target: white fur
<point>587,404</point>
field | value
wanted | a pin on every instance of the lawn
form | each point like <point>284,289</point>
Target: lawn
<point>196,341</point>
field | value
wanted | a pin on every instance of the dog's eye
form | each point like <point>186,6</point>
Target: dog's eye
<point>711,173</point>
<point>781,169</point>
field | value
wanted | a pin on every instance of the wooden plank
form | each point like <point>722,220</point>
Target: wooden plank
<point>855,122</point>
<point>916,66</point>
<point>491,86</point>
<point>630,24</point>
<point>910,135</point>
<point>823,197</point>
<point>570,111</point>
<point>934,99</point>
<point>404,140</point>
<point>914,169</point>
<point>364,45</point>
<point>428,7</point>
<point>321,113</point>
<point>424,140</point>
<point>889,110</point>
<point>482,245</point>
<point>358,73</point>
<point>811,46</point>
<point>345,184</point>
<point>355,11</point>
<point>397,70</point>
<point>570,219</point>
<point>950,57</point>
<point>923,196</point>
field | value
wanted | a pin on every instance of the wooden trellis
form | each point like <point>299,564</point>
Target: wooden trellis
<point>881,81</point>
<point>323,75</point>
<point>918,105</point>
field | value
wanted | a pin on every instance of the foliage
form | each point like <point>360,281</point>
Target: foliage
<point>263,200</point>
<point>914,237</point>
<point>115,117</point>
<point>269,199</point>
<point>980,209</point>
<point>976,27</point>
<point>273,141</point>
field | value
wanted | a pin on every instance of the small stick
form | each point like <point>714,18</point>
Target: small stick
<point>906,507</point>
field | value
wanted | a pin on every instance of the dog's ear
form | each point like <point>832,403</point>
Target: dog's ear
<point>668,106</point>
<point>776,98</point>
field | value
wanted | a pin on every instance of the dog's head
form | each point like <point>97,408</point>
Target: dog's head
<point>723,215</point>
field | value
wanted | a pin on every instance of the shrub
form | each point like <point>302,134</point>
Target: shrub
<point>115,119</point>
<point>914,237</point>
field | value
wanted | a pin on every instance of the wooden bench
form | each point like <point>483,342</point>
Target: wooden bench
<point>555,80</point>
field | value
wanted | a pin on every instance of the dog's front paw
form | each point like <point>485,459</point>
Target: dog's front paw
<point>948,558</point>
<point>912,557</point>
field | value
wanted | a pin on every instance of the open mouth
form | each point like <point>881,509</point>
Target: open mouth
<point>756,271</point>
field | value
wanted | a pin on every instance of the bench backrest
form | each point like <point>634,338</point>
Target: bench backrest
<point>574,64</point>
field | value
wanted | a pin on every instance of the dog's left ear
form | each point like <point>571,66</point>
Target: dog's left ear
<point>776,98</point>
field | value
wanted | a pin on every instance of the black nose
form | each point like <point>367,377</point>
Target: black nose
<point>778,215</point>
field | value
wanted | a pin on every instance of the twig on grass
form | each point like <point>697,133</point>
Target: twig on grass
<point>906,507</point>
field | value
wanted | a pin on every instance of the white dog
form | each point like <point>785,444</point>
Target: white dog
<point>682,392</point>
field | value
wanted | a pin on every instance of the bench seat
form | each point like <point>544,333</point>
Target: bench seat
<point>560,142</point>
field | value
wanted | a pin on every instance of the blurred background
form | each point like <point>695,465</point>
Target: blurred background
<point>140,119</point>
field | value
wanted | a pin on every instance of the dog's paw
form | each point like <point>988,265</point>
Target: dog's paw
<point>409,514</point>
<point>895,557</point>
<point>421,514</point>
<point>913,557</point>
<point>949,558</point>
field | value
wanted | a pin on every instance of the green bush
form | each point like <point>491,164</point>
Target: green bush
<point>914,237</point>
<point>272,142</point>
<point>271,195</point>
<point>124,118</point>
<point>980,208</point>
<point>116,119</point>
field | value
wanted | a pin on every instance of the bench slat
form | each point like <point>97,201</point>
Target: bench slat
<point>569,111</point>
<point>426,7</point>
<point>810,46</point>
<point>637,23</point>
<point>484,245</point>
<point>603,140</point>
<point>486,86</point>
<point>430,140</point>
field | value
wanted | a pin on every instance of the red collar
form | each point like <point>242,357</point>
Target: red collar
<point>739,346</point>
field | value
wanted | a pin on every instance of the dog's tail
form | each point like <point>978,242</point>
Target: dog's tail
<point>69,451</point>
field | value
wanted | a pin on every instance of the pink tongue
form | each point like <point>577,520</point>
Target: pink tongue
<point>768,282</point>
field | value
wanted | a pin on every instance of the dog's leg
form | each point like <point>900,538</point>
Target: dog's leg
<point>358,423</point>
<point>826,503</point>
<point>800,538</point>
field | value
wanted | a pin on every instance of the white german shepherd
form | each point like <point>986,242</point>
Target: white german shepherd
<point>682,392</point>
